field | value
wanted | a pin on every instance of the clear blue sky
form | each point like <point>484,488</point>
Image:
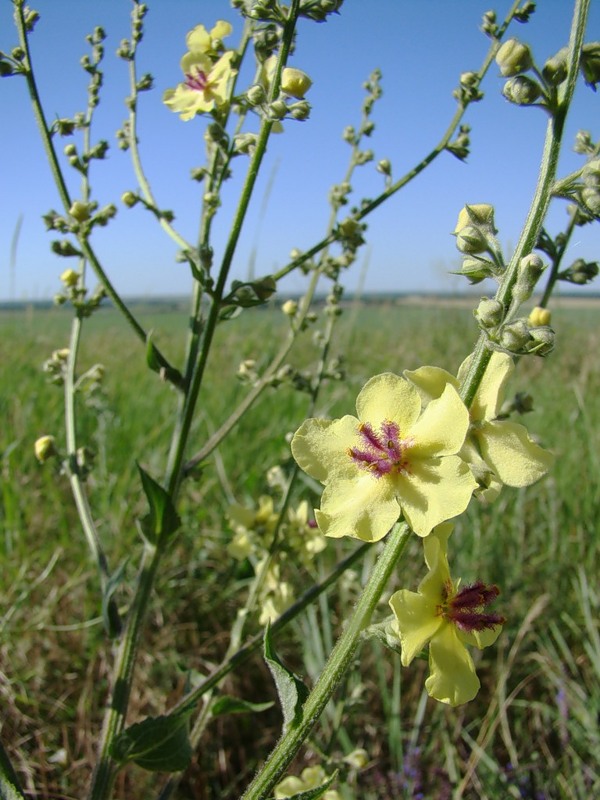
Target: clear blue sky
<point>421,48</point>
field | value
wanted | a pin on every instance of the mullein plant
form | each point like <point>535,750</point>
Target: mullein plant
<point>421,446</point>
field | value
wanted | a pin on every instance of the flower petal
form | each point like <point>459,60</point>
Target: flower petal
<point>320,447</point>
<point>452,678</point>
<point>436,490</point>
<point>388,397</point>
<point>430,381</point>
<point>490,392</point>
<point>513,456</point>
<point>417,622</point>
<point>442,427</point>
<point>363,507</point>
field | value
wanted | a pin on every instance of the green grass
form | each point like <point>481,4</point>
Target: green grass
<point>532,732</point>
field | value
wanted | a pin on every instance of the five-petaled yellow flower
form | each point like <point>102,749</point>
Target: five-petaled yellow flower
<point>395,458</point>
<point>207,76</point>
<point>447,617</point>
<point>494,445</point>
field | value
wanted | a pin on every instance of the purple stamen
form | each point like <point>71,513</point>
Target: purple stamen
<point>384,452</point>
<point>197,82</point>
<point>465,608</point>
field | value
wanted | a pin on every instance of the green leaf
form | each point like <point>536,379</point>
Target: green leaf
<point>9,783</point>
<point>291,690</point>
<point>152,356</point>
<point>158,744</point>
<point>162,519</point>
<point>234,705</point>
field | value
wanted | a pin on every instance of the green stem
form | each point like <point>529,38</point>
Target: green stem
<point>335,668</point>
<point>541,199</point>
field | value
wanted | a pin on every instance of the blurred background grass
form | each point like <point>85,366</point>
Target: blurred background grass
<point>533,730</point>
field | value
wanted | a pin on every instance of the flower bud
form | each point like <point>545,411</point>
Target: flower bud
<point>542,341</point>
<point>590,196</point>
<point>477,214</point>
<point>513,57</point>
<point>590,174</point>
<point>515,337</point>
<point>256,95</point>
<point>278,109</point>
<point>590,63</point>
<point>522,91</point>
<point>476,270</point>
<point>295,82</point>
<point>70,278</point>
<point>289,308</point>
<point>300,110</point>
<point>471,240</point>
<point>44,448</point>
<point>384,166</point>
<point>539,316</point>
<point>80,211</point>
<point>70,150</point>
<point>580,272</point>
<point>129,199</point>
<point>357,759</point>
<point>244,143</point>
<point>555,68</point>
<point>489,313</point>
<point>530,269</point>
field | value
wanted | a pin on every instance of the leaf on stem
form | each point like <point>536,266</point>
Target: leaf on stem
<point>291,690</point>
<point>162,519</point>
<point>158,744</point>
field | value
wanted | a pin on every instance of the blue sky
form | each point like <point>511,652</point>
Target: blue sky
<point>421,49</point>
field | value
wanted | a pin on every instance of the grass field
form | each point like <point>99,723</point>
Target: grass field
<point>533,730</point>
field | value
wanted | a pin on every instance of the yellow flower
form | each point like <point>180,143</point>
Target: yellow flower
<point>311,778</point>
<point>447,617</point>
<point>395,458</point>
<point>199,40</point>
<point>295,82</point>
<point>70,278</point>
<point>504,446</point>
<point>205,86</point>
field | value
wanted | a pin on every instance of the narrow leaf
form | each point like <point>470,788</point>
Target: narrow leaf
<point>291,690</point>
<point>316,793</point>
<point>162,519</point>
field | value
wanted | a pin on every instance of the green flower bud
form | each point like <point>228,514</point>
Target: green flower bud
<point>300,111</point>
<point>80,211</point>
<point>384,166</point>
<point>513,57</point>
<point>590,63</point>
<point>471,240</point>
<point>515,337</point>
<point>295,82</point>
<point>580,272</point>
<point>44,448</point>
<point>256,95</point>
<point>591,173</point>
<point>539,316</point>
<point>542,341</point>
<point>489,313</point>
<point>555,68</point>
<point>476,270</point>
<point>70,150</point>
<point>129,199</point>
<point>488,23</point>
<point>584,144</point>
<point>349,134</point>
<point>278,109</point>
<point>244,143</point>
<point>590,196</point>
<point>522,91</point>
<point>31,18</point>
<point>64,248</point>
<point>530,269</point>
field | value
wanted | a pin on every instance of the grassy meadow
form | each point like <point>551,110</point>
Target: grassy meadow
<point>532,732</point>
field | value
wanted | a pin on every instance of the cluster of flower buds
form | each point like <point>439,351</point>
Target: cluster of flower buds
<point>75,292</point>
<point>589,193</point>
<point>319,10</point>
<point>460,147</point>
<point>519,338</point>
<point>580,272</point>
<point>56,365</point>
<point>476,238</point>
<point>468,90</point>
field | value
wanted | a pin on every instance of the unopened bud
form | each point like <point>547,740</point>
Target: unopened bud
<point>539,316</point>
<point>256,95</point>
<point>477,214</point>
<point>289,308</point>
<point>300,111</point>
<point>513,57</point>
<point>129,199</point>
<point>591,198</point>
<point>590,174</point>
<point>80,211</point>
<point>295,82</point>
<point>522,91</point>
<point>44,448</point>
<point>590,63</point>
<point>476,269</point>
<point>515,337</point>
<point>580,272</point>
<point>542,341</point>
<point>471,240</point>
<point>357,759</point>
<point>278,109</point>
<point>384,166</point>
<point>555,68</point>
<point>489,313</point>
<point>530,269</point>
<point>70,278</point>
